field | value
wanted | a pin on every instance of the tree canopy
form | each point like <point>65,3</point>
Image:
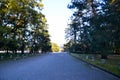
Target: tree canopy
<point>55,47</point>
<point>23,26</point>
<point>95,26</point>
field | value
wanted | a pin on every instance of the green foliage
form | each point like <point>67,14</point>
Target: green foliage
<point>110,65</point>
<point>96,26</point>
<point>68,46</point>
<point>23,26</point>
<point>55,47</point>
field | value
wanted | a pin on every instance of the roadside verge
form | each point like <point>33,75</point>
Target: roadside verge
<point>96,64</point>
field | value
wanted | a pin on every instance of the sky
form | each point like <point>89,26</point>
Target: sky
<point>57,15</point>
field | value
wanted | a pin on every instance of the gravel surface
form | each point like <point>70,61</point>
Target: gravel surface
<point>53,66</point>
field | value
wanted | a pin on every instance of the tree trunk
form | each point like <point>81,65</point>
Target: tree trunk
<point>103,56</point>
<point>22,48</point>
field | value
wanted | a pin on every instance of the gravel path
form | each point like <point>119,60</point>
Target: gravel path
<point>54,66</point>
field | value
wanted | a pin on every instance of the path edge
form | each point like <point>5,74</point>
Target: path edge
<point>96,66</point>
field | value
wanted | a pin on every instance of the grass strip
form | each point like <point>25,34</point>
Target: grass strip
<point>106,66</point>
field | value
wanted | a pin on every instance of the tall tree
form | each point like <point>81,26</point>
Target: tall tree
<point>98,24</point>
<point>25,21</point>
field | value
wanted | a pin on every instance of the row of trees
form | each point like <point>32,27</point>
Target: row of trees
<point>23,26</point>
<point>94,26</point>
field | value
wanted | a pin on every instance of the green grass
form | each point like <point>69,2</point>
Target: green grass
<point>110,65</point>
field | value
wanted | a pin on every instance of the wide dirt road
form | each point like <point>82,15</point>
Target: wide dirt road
<point>54,66</point>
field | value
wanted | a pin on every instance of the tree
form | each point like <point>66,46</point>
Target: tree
<point>55,47</point>
<point>22,24</point>
<point>98,29</point>
<point>68,46</point>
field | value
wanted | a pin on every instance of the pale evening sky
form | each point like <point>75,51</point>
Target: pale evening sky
<point>57,15</point>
